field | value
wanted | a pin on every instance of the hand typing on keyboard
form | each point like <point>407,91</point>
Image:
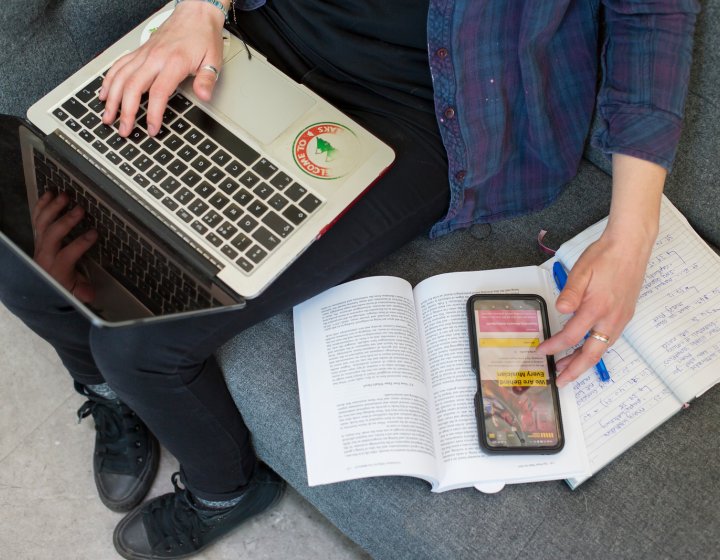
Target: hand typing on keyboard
<point>51,227</point>
<point>188,41</point>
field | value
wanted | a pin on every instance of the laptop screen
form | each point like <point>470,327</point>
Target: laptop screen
<point>136,276</point>
<point>14,208</point>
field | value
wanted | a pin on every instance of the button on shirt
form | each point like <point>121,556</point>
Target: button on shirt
<point>515,86</point>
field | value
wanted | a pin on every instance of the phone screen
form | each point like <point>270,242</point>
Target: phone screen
<point>518,396</point>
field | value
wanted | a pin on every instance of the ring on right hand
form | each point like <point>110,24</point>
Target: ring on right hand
<point>212,69</point>
<point>597,335</point>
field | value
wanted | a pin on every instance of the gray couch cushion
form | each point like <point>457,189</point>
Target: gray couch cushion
<point>658,500</point>
<point>32,31</point>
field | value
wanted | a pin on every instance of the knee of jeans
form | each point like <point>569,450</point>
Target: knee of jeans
<point>128,357</point>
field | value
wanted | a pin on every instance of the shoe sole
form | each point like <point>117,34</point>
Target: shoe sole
<point>144,483</point>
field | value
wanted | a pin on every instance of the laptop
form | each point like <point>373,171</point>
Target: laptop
<point>206,214</point>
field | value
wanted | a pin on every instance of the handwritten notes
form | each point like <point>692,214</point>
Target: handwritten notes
<point>677,322</point>
<point>676,326</point>
<point>618,413</point>
<point>670,350</point>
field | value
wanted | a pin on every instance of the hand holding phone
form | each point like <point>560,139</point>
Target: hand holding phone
<point>516,406</point>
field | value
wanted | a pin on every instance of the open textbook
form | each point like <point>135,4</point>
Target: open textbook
<point>386,386</point>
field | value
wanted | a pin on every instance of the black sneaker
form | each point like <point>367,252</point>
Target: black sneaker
<point>126,453</point>
<point>173,526</point>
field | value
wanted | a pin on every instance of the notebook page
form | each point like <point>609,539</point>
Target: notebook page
<point>616,414</point>
<point>676,326</point>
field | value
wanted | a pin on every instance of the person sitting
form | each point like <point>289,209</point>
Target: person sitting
<point>487,105</point>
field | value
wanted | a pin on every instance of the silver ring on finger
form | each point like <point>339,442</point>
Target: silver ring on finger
<point>212,69</point>
<point>597,335</point>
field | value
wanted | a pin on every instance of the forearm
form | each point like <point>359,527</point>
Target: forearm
<point>635,207</point>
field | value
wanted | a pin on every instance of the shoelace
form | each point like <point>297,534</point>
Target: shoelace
<point>114,424</point>
<point>172,521</point>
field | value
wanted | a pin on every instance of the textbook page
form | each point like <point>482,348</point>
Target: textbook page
<point>443,325</point>
<point>363,395</point>
<point>676,326</point>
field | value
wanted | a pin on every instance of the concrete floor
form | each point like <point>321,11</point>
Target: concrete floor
<point>48,503</point>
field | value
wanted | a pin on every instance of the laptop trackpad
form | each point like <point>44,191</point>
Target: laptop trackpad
<point>258,98</point>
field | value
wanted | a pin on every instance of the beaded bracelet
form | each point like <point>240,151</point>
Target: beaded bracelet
<point>215,3</point>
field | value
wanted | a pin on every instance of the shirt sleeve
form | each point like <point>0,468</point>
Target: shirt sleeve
<point>646,67</point>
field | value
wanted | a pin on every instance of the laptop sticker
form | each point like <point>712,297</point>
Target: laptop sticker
<point>326,150</point>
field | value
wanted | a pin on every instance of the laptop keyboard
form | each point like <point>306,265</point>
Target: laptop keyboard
<point>238,201</point>
<point>124,251</point>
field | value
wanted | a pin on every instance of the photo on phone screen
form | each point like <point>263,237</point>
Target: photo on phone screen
<point>517,404</point>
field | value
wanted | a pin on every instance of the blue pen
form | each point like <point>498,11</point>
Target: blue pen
<point>560,277</point>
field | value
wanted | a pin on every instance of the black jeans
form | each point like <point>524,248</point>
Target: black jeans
<point>167,373</point>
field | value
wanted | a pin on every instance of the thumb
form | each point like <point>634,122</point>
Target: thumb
<point>571,296</point>
<point>207,76</point>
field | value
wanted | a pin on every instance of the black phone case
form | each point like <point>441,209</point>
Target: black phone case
<point>479,410</point>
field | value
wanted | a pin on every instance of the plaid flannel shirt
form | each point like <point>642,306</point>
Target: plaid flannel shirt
<point>516,82</point>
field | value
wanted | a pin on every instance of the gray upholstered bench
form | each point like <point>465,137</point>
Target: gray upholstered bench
<point>658,500</point>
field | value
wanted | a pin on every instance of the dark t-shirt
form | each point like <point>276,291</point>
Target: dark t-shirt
<point>382,43</point>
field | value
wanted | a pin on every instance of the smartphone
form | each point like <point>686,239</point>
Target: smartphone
<point>517,404</point>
